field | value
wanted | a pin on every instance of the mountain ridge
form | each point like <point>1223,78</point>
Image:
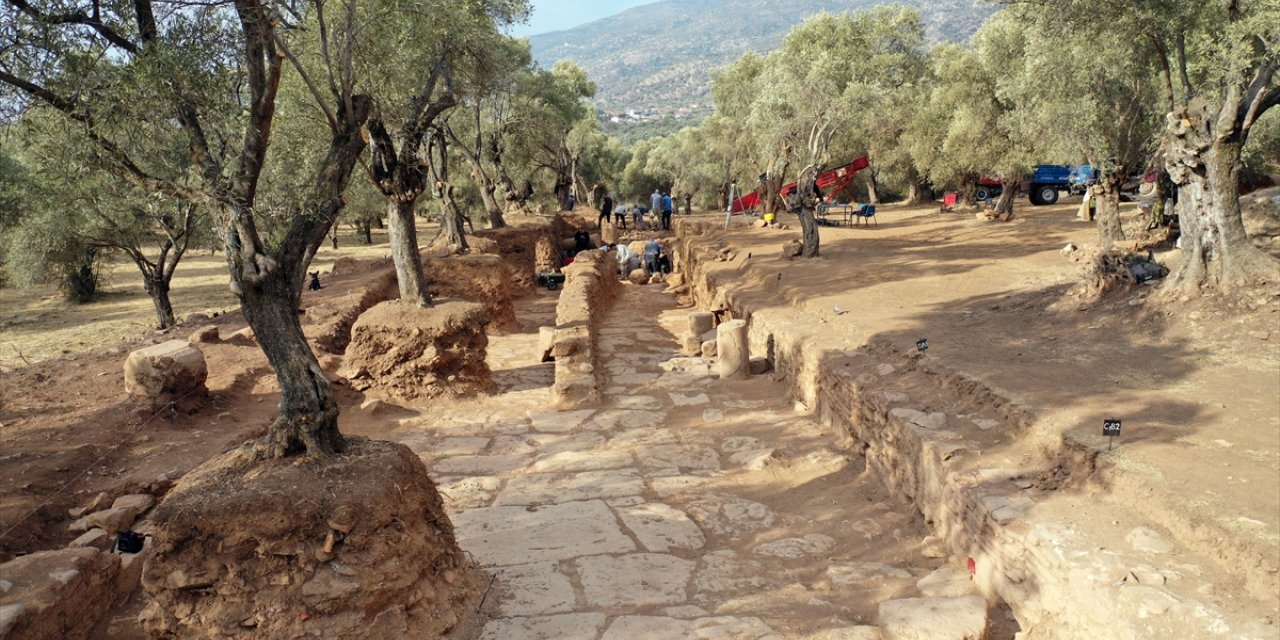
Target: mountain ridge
<point>657,57</point>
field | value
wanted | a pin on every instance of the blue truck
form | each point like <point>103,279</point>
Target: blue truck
<point>1044,183</point>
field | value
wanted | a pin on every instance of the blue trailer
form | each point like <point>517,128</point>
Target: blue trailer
<point>1044,183</point>
<point>1048,179</point>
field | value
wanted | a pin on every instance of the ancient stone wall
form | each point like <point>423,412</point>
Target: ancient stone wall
<point>1058,582</point>
<point>591,286</point>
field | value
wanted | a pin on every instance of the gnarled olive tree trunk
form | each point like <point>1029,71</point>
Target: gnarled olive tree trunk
<point>1107,191</point>
<point>802,203</point>
<point>270,289</point>
<point>1205,164</point>
<point>1008,191</point>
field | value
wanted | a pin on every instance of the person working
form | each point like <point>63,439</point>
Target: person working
<point>666,212</point>
<point>606,209</point>
<point>652,250</point>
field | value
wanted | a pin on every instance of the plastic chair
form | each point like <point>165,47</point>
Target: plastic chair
<point>867,212</point>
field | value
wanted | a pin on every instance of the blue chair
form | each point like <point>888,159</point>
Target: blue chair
<point>867,212</point>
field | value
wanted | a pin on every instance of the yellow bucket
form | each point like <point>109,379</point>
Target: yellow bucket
<point>769,217</point>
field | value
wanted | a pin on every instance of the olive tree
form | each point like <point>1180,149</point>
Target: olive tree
<point>1217,64</point>
<point>128,75</point>
<point>828,77</point>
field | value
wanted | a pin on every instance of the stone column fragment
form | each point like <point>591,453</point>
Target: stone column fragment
<point>732,350</point>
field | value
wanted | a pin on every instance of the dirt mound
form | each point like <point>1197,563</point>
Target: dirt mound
<point>410,352</point>
<point>484,278</point>
<point>328,323</point>
<point>357,546</point>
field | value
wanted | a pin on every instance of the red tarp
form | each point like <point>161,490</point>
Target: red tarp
<point>829,182</point>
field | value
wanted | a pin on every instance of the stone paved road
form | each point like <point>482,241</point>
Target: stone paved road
<point>683,507</point>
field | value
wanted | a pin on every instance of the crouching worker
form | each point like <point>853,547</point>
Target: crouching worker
<point>652,250</point>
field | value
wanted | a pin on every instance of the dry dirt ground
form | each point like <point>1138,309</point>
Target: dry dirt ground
<point>1197,383</point>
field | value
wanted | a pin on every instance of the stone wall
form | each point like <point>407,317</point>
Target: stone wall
<point>590,288</point>
<point>1057,578</point>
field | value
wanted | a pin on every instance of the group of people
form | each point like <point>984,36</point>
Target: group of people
<point>653,260</point>
<point>661,204</point>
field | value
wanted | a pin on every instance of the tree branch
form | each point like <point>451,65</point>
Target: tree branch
<point>130,172</point>
<point>425,110</point>
<point>76,17</point>
<point>321,102</point>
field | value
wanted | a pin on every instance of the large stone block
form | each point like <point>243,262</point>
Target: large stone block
<point>58,595</point>
<point>963,618</point>
<point>166,372</point>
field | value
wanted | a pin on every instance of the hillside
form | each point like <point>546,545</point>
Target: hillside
<point>659,56</point>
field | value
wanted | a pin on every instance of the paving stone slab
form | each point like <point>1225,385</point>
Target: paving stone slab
<point>682,400</point>
<point>634,580</point>
<point>647,403</point>
<point>552,488</point>
<point>636,437</point>
<point>469,492</point>
<point>740,443</point>
<point>493,427</point>
<point>752,460</point>
<point>732,516</point>
<point>634,380</point>
<point>567,626</point>
<point>685,612</point>
<point>464,446</point>
<point>559,421</point>
<point>571,461</point>
<point>962,618</point>
<point>719,628</point>
<point>534,589</point>
<point>627,419</point>
<point>680,456</point>
<point>811,545</point>
<point>855,633</point>
<point>727,572</point>
<point>668,486</point>
<point>684,381</point>
<point>501,536</point>
<point>478,465</point>
<point>661,528</point>
<point>512,446</point>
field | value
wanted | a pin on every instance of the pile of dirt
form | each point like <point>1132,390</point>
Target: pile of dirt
<point>410,352</point>
<point>484,278</point>
<point>354,546</point>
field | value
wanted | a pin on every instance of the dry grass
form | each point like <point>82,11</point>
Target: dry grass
<point>37,324</point>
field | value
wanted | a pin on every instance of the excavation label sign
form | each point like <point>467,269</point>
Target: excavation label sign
<point>1111,427</point>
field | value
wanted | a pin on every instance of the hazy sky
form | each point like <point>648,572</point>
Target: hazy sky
<point>555,15</point>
